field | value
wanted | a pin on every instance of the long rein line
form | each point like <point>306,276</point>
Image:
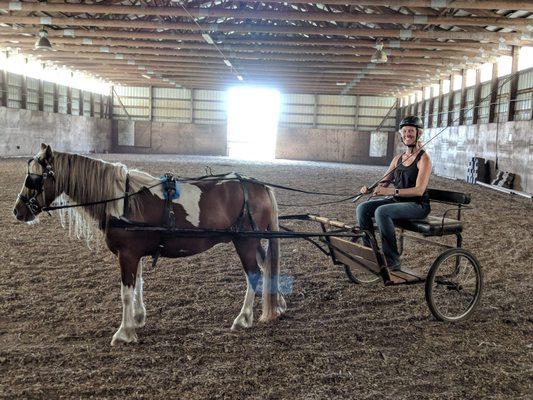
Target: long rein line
<point>93,203</point>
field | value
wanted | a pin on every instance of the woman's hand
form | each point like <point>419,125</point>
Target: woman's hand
<point>364,190</point>
<point>383,191</point>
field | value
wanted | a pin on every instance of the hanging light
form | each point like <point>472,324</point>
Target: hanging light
<point>43,43</point>
<point>379,57</point>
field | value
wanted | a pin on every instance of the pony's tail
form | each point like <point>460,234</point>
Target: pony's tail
<point>273,302</point>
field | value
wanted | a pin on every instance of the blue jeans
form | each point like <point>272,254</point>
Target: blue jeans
<point>386,210</point>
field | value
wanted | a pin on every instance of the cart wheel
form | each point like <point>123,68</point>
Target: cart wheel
<point>360,276</point>
<point>454,285</point>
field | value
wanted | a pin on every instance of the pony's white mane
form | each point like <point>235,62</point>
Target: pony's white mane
<point>81,179</point>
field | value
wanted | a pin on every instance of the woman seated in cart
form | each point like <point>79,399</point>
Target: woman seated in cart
<point>403,192</point>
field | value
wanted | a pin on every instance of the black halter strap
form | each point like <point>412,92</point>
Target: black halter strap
<point>35,182</point>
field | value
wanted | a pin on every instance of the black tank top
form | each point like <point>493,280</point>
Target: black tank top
<point>405,177</point>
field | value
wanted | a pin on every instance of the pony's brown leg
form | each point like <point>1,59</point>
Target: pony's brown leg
<point>248,251</point>
<point>128,268</point>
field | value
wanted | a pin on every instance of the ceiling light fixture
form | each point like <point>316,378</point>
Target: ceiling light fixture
<point>43,43</point>
<point>379,57</point>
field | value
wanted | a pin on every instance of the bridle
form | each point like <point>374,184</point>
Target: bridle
<point>36,182</point>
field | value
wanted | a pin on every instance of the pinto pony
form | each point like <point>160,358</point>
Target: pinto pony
<point>211,204</point>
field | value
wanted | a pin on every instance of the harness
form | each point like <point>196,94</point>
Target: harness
<point>35,182</point>
<point>171,191</point>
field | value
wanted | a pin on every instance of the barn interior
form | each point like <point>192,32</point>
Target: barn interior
<point>297,93</point>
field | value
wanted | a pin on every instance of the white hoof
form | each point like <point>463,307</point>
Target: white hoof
<point>140,319</point>
<point>242,321</point>
<point>124,335</point>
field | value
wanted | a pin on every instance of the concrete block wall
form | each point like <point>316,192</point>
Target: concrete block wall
<point>22,132</point>
<point>511,142</point>
<point>336,145</point>
<point>147,137</point>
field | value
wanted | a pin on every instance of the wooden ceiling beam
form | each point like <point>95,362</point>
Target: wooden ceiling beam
<point>274,15</point>
<point>7,40</point>
<point>461,4</point>
<point>181,55</point>
<point>489,36</point>
<point>163,36</point>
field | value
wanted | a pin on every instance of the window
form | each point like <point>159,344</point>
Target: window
<point>505,64</point>
<point>436,89</point>
<point>21,64</point>
<point>486,72</point>
<point>525,58</point>
<point>445,86</point>
<point>457,82</point>
<point>470,77</point>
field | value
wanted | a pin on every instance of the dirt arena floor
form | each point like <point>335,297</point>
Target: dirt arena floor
<point>60,305</point>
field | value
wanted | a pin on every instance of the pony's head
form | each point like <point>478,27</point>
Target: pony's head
<point>38,190</point>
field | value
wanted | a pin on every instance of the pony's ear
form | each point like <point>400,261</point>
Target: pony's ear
<point>47,151</point>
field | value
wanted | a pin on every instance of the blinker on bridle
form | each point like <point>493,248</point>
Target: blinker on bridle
<point>35,182</point>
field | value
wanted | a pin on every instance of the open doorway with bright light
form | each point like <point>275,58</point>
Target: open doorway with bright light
<point>252,122</point>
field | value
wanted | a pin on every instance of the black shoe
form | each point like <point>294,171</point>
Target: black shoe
<point>396,267</point>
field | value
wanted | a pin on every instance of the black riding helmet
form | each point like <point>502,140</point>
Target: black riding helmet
<point>412,120</point>
<point>415,121</point>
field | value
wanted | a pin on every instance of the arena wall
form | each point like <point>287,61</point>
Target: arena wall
<point>22,131</point>
<point>336,145</point>
<point>147,137</point>
<point>510,143</point>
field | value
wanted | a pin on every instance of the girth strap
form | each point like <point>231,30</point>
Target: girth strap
<point>245,212</point>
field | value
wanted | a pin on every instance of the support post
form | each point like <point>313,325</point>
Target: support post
<point>449,114</point>
<point>4,88</point>
<point>69,100</point>
<point>55,96</point>
<point>441,100</point>
<point>431,106</point>
<point>191,106</point>
<point>462,105</point>
<point>513,85</point>
<point>315,110</point>
<point>91,104</point>
<point>150,103</point>
<point>40,96</point>
<point>81,102</point>
<point>356,115</point>
<point>477,95</point>
<point>24,93</point>
<point>493,93</point>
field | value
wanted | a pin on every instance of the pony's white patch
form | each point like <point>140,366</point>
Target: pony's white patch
<point>189,197</point>
<point>139,310</point>
<point>227,178</point>
<point>126,332</point>
<point>245,318</point>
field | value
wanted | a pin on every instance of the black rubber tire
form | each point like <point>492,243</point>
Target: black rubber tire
<point>430,281</point>
<point>361,278</point>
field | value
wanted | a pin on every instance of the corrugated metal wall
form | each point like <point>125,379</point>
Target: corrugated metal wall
<point>523,106</point>
<point>169,105</point>
<point>28,93</point>
<point>363,113</point>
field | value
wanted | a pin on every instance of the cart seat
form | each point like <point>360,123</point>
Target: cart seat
<point>434,225</point>
<point>431,226</point>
